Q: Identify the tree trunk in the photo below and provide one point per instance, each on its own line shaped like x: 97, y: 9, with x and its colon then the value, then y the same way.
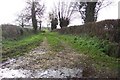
x: 22, y: 23
x: 90, y: 12
x: 40, y: 27
x: 34, y: 21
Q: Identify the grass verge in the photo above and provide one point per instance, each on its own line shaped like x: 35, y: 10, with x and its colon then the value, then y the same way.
x: 92, y: 47
x: 14, y: 48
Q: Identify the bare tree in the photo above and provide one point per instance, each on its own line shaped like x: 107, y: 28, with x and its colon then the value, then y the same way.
x: 100, y: 5
x: 89, y: 10
x: 62, y: 12
x: 53, y: 16
x: 34, y: 12
x: 21, y: 20
x: 65, y: 10
x: 53, y: 20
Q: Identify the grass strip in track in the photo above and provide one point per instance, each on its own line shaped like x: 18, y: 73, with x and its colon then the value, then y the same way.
x: 54, y: 42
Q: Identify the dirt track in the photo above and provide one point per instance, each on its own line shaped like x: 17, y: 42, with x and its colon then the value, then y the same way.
x: 67, y: 63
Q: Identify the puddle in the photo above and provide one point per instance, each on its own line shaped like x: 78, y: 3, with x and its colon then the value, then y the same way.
x: 48, y: 73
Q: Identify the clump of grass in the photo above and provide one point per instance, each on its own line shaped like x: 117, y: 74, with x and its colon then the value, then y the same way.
x: 13, y: 48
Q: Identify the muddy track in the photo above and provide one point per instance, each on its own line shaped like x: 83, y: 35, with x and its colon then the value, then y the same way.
x: 43, y: 62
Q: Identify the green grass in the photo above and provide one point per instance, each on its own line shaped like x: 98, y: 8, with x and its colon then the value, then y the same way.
x: 91, y: 46
x: 14, y: 48
x: 54, y: 42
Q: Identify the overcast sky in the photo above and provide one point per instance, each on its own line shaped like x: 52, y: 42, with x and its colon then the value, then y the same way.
x: 10, y: 8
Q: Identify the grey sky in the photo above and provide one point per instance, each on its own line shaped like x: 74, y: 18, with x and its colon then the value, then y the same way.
x: 10, y: 9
